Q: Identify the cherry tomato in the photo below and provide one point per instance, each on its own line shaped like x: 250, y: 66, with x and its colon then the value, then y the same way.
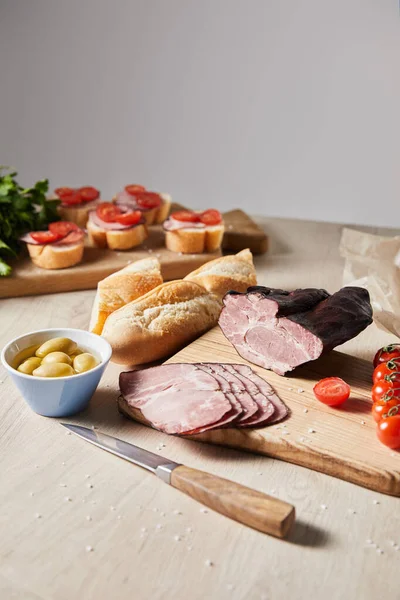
x: 133, y: 189
x: 64, y: 191
x: 72, y: 199
x: 381, y: 409
x: 148, y: 200
x: 387, y: 353
x: 62, y: 228
x: 130, y: 218
x: 383, y: 389
x: 211, y: 217
x: 45, y: 237
x: 107, y: 211
x: 389, y: 371
x: 332, y: 391
x: 187, y: 216
x: 388, y: 432
x: 88, y: 193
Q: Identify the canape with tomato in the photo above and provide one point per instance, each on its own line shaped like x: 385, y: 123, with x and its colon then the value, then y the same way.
x: 116, y: 226
x: 58, y: 247
x: 76, y: 203
x: 154, y: 206
x: 191, y: 232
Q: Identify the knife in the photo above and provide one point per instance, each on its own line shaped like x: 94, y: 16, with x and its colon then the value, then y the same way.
x: 252, y: 508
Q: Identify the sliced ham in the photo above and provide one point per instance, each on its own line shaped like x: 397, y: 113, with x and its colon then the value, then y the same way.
x: 188, y: 399
x: 172, y: 224
x: 73, y: 237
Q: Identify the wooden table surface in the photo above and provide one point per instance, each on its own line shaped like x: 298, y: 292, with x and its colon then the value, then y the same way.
x: 59, y: 495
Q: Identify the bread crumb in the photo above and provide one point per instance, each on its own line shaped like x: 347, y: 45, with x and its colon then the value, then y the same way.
x: 177, y: 538
x: 376, y: 502
x: 203, y: 510
x: 190, y: 548
x: 88, y: 518
x: 31, y: 493
x: 305, y: 410
x: 38, y: 516
x: 89, y: 548
x: 89, y: 485
x: 189, y: 529
x: 209, y: 563
x: 324, y: 506
x: 259, y: 473
x: 63, y: 485
x: 158, y: 526
x: 311, y: 430
x: 63, y: 464
x: 285, y: 432
x: 379, y: 551
x: 362, y: 422
x: 300, y: 390
x: 67, y: 499
x: 112, y: 507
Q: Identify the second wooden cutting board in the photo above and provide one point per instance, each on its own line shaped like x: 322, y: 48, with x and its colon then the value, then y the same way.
x: 339, y: 442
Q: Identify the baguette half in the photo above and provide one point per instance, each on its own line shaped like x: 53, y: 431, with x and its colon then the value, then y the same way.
x: 76, y: 214
x: 56, y: 256
x: 192, y: 240
x: 116, y: 239
x: 122, y: 287
x: 235, y: 272
x: 160, y: 322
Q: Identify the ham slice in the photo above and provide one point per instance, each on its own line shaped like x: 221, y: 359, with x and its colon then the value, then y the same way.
x: 188, y: 399
x: 73, y: 237
x: 172, y: 224
x: 95, y: 219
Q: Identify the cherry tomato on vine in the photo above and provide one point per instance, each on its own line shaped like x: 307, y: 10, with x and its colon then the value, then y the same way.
x: 382, y: 409
x: 389, y: 371
x: 383, y: 389
x: 387, y: 353
x: 388, y: 432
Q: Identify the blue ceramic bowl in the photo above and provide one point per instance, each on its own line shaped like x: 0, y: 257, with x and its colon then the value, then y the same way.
x: 58, y: 396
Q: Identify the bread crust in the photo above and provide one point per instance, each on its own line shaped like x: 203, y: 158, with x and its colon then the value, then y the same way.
x: 75, y: 214
x: 235, y: 272
x: 117, y: 239
x: 52, y: 256
x: 195, y: 241
x: 122, y: 287
x: 161, y: 322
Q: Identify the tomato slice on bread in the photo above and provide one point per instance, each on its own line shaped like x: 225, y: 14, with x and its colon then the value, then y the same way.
x: 72, y: 199
x: 61, y: 192
x: 107, y: 211
x: 332, y: 391
x: 63, y: 228
x: 134, y: 189
x: 89, y: 193
x: 186, y: 216
x: 130, y: 218
x: 148, y: 200
x: 45, y: 237
x: 211, y: 217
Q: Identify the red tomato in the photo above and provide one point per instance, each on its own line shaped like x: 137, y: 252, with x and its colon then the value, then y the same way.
x: 72, y: 199
x: 383, y: 389
x: 130, y: 218
x: 211, y: 217
x: 107, y: 211
x: 389, y: 371
x: 148, y: 200
x: 64, y: 191
x: 133, y: 189
x: 387, y: 353
x: 89, y: 193
x: 45, y: 237
x: 388, y: 432
x: 62, y: 228
x: 187, y: 216
x: 332, y: 391
x: 383, y: 408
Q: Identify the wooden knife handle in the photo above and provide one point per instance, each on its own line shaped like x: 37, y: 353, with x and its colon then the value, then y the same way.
x: 257, y: 510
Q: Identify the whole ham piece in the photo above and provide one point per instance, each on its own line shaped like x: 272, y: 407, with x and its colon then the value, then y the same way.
x: 188, y: 399
x: 280, y: 330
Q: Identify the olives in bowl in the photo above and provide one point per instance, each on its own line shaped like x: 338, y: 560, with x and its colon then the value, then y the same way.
x: 57, y: 370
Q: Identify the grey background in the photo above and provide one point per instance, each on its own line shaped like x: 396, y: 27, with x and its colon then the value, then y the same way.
x: 286, y: 108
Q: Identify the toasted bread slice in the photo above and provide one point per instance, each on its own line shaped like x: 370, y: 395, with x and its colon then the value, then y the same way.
x: 117, y: 239
x: 193, y: 240
x: 234, y: 272
x: 56, y: 256
x: 122, y: 287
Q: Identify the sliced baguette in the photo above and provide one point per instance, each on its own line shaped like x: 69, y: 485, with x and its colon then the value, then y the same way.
x: 75, y: 214
x: 160, y: 322
x: 193, y: 240
x: 234, y: 272
x: 122, y: 287
x: 116, y: 239
x: 56, y: 256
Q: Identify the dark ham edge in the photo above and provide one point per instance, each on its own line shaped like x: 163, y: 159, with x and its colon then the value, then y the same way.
x: 251, y: 378
x: 287, y: 303
x: 232, y: 384
x: 95, y: 219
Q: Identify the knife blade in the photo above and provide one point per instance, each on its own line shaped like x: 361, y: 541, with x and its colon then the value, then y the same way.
x: 247, y: 506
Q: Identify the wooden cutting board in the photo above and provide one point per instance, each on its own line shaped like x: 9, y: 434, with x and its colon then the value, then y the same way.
x: 27, y: 280
x: 339, y: 442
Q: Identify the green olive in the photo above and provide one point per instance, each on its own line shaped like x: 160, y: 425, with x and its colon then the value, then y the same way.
x: 57, y: 357
x: 24, y: 354
x: 56, y: 345
x: 29, y: 365
x: 84, y: 362
x: 53, y: 370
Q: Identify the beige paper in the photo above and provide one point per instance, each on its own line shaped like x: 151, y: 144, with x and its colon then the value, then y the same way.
x: 373, y: 262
